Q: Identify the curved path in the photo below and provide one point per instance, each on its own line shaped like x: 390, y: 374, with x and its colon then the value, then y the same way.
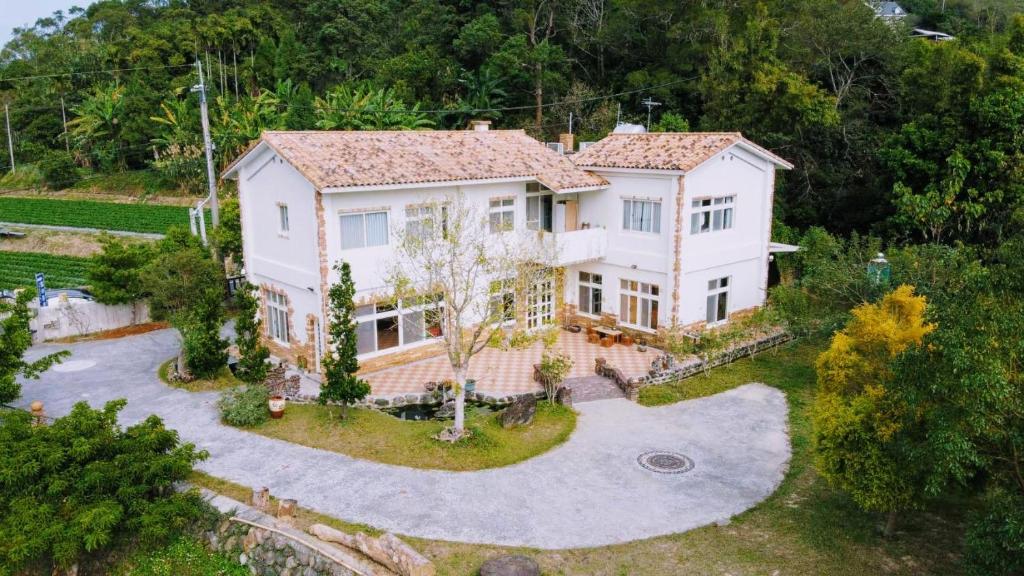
x: 588, y: 492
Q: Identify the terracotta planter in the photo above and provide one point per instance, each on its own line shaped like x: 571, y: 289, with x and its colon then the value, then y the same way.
x: 276, y: 405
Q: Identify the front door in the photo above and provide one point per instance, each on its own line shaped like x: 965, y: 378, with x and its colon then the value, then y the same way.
x: 540, y: 304
x: 571, y: 211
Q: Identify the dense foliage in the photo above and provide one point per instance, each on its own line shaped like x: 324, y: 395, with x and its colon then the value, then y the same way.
x: 58, y: 169
x: 912, y: 138
x: 82, y: 485
x: 182, y: 557
x: 245, y: 406
x: 252, y: 354
x: 15, y: 339
x: 18, y: 270
x: 340, y: 383
x: 115, y: 272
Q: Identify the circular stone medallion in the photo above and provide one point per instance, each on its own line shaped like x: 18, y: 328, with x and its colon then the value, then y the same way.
x: 73, y: 365
x: 664, y: 462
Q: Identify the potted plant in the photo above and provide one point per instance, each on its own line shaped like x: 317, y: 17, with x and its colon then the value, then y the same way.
x: 641, y: 345
x: 276, y: 405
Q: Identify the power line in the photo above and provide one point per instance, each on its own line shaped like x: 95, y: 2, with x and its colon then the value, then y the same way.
x: 88, y: 72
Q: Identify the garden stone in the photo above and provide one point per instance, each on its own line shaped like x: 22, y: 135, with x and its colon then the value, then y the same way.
x: 412, y: 398
x: 243, y: 559
x: 519, y: 413
x: 515, y: 565
x: 381, y: 401
x: 564, y: 396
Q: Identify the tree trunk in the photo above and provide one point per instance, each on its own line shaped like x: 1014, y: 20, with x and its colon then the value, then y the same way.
x: 890, y: 524
x: 538, y: 92
x: 460, y: 400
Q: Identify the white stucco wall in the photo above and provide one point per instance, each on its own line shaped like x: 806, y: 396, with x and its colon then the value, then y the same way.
x: 741, y: 252
x: 287, y: 261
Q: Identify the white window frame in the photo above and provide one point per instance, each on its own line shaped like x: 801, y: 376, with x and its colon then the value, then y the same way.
x: 647, y: 298
x: 590, y: 283
x: 718, y: 291
x: 641, y: 215
x: 277, y: 316
x: 283, y: 226
x: 365, y: 238
x: 502, y: 215
x: 399, y: 311
x: 501, y: 305
x: 712, y: 214
x: 540, y: 304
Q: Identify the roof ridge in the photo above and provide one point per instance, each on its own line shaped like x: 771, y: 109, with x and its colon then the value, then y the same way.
x: 740, y: 134
x: 505, y: 130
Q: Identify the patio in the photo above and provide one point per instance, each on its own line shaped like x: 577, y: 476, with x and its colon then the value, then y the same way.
x: 505, y: 372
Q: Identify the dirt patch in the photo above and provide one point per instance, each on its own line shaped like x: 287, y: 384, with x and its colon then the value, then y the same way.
x: 118, y: 198
x: 59, y: 242
x: 116, y: 333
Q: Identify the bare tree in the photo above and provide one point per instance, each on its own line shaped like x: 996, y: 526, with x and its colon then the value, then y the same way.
x: 474, y: 270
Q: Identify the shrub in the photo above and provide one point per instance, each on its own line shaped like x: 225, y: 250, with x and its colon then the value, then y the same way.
x: 115, y: 273
x: 994, y: 545
x: 253, y: 355
x: 245, y: 406
x: 82, y: 486
x: 59, y: 170
x: 205, y: 351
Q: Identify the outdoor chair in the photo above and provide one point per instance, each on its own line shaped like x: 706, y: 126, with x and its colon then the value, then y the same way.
x: 593, y: 338
x: 607, y: 342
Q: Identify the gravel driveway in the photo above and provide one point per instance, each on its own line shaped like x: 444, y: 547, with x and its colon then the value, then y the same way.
x: 591, y: 491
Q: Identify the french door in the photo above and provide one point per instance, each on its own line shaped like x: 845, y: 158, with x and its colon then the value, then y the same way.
x: 540, y: 304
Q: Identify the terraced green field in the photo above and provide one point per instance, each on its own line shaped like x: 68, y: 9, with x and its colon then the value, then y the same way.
x: 89, y: 214
x: 18, y: 270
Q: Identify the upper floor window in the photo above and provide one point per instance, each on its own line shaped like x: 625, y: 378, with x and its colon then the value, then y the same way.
x: 282, y: 218
x: 638, y: 304
x: 591, y: 289
x: 641, y: 216
x: 712, y: 214
x: 502, y: 214
x: 364, y: 230
x: 277, y: 316
x: 718, y: 300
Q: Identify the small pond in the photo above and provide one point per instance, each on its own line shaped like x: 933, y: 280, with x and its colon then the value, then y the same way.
x: 434, y: 411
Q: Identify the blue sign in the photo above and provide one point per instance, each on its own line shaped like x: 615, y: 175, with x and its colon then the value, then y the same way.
x: 41, y: 287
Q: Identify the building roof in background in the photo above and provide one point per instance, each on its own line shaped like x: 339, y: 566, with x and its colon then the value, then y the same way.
x: 665, y: 150
x: 889, y: 10
x: 348, y: 159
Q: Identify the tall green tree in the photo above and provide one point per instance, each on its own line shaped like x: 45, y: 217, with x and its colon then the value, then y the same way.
x: 253, y: 355
x: 340, y: 383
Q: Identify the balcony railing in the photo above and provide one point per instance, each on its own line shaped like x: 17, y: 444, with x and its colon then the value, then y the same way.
x: 577, y: 246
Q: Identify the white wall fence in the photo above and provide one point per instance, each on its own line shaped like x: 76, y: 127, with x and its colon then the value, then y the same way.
x: 65, y: 318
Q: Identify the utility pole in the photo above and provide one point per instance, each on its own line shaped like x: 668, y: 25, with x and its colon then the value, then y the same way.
x: 618, y: 114
x: 570, y: 122
x: 210, y: 176
x: 64, y: 117
x: 650, y: 104
x: 10, y: 141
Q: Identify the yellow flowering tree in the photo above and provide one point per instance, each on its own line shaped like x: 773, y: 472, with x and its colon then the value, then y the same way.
x: 861, y: 443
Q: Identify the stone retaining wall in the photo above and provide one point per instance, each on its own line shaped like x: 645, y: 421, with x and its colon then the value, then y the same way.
x: 270, y: 547
x: 427, y: 398
x: 667, y: 369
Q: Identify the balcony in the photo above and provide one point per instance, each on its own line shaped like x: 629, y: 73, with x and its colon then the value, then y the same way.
x: 576, y: 246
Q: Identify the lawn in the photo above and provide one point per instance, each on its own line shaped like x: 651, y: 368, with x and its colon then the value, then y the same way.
x: 18, y: 270
x: 805, y: 527
x: 151, y: 218
x: 182, y: 557
x: 380, y: 437
x: 222, y: 381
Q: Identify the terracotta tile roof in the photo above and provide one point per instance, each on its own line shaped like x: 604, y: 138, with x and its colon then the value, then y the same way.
x: 340, y: 159
x: 663, y: 150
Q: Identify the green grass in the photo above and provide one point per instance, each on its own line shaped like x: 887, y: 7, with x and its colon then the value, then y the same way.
x: 804, y: 528
x: 373, y: 435
x: 150, y: 218
x: 182, y: 557
x: 18, y: 270
x: 222, y: 381
x: 135, y: 182
x: 27, y: 177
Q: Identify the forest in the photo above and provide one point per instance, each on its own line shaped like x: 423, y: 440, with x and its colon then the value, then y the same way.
x: 897, y: 136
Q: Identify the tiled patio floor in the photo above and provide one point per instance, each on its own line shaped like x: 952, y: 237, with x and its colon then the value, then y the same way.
x: 503, y: 372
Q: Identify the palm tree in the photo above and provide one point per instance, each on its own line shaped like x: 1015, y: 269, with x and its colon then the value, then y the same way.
x: 483, y: 94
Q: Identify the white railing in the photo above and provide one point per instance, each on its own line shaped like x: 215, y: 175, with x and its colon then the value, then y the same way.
x: 577, y: 246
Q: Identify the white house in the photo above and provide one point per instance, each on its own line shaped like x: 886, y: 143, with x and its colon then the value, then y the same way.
x: 652, y: 230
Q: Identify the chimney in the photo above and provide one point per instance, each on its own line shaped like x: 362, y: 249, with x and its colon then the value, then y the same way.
x: 567, y: 143
x: 480, y: 125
